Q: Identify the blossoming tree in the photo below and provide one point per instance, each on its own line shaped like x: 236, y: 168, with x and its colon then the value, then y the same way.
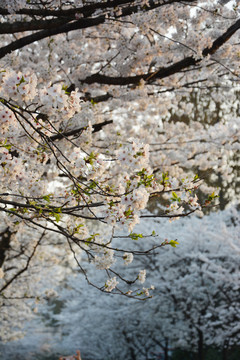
x: 89, y: 95
x: 195, y: 304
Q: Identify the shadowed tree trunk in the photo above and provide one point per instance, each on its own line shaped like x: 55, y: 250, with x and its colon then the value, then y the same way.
x: 224, y: 350
x: 200, y: 345
x: 5, y: 238
x: 166, y: 350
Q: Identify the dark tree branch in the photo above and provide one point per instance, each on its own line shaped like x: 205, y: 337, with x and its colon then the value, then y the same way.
x: 20, y: 26
x: 222, y: 39
x: 25, y: 267
x: 96, y: 128
x: 97, y: 99
x: 79, y: 24
x: 165, y: 71
x: 76, y: 25
x: 5, y: 238
x: 88, y: 10
x: 149, y: 77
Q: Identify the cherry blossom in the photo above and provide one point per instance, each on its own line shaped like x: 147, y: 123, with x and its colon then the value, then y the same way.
x: 105, y: 107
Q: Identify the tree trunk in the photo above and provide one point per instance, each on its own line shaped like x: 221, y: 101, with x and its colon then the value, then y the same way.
x: 224, y: 351
x: 200, y: 345
x: 5, y: 238
x: 166, y: 350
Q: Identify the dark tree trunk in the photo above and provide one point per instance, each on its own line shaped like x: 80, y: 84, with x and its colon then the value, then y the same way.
x: 224, y: 354
x: 166, y: 350
x: 224, y: 351
x: 200, y: 345
x: 132, y: 352
x: 5, y: 238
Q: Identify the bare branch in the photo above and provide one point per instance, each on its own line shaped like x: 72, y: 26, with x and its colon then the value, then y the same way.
x: 25, y: 267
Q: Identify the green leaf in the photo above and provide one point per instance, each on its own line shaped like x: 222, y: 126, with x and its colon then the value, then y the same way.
x: 92, y: 185
x: 90, y: 159
x: 173, y: 243
x: 47, y: 197
x: 88, y: 240
x: 135, y: 236
x: 8, y: 147
x: 165, y: 178
x: 212, y: 196
x: 128, y: 212
x: 76, y: 229
x: 57, y: 217
x: 111, y: 203
x: 22, y: 80
x: 175, y: 197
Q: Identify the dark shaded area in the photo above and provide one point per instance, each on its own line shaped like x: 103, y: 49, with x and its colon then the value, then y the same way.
x: 5, y: 238
x: 209, y: 353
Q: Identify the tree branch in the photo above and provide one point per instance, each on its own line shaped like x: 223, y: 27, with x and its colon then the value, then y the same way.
x: 20, y: 26
x: 130, y: 80
x: 5, y: 238
x: 26, y: 266
x: 164, y: 71
x: 88, y: 10
x: 222, y: 39
x: 76, y: 25
x: 96, y: 128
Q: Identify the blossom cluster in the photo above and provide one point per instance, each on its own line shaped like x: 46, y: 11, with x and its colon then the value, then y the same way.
x: 134, y: 155
x: 111, y: 284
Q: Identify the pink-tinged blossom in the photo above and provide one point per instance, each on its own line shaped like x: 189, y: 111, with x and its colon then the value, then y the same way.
x: 140, y: 198
x: 134, y: 155
x: 19, y: 86
x: 193, y: 202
